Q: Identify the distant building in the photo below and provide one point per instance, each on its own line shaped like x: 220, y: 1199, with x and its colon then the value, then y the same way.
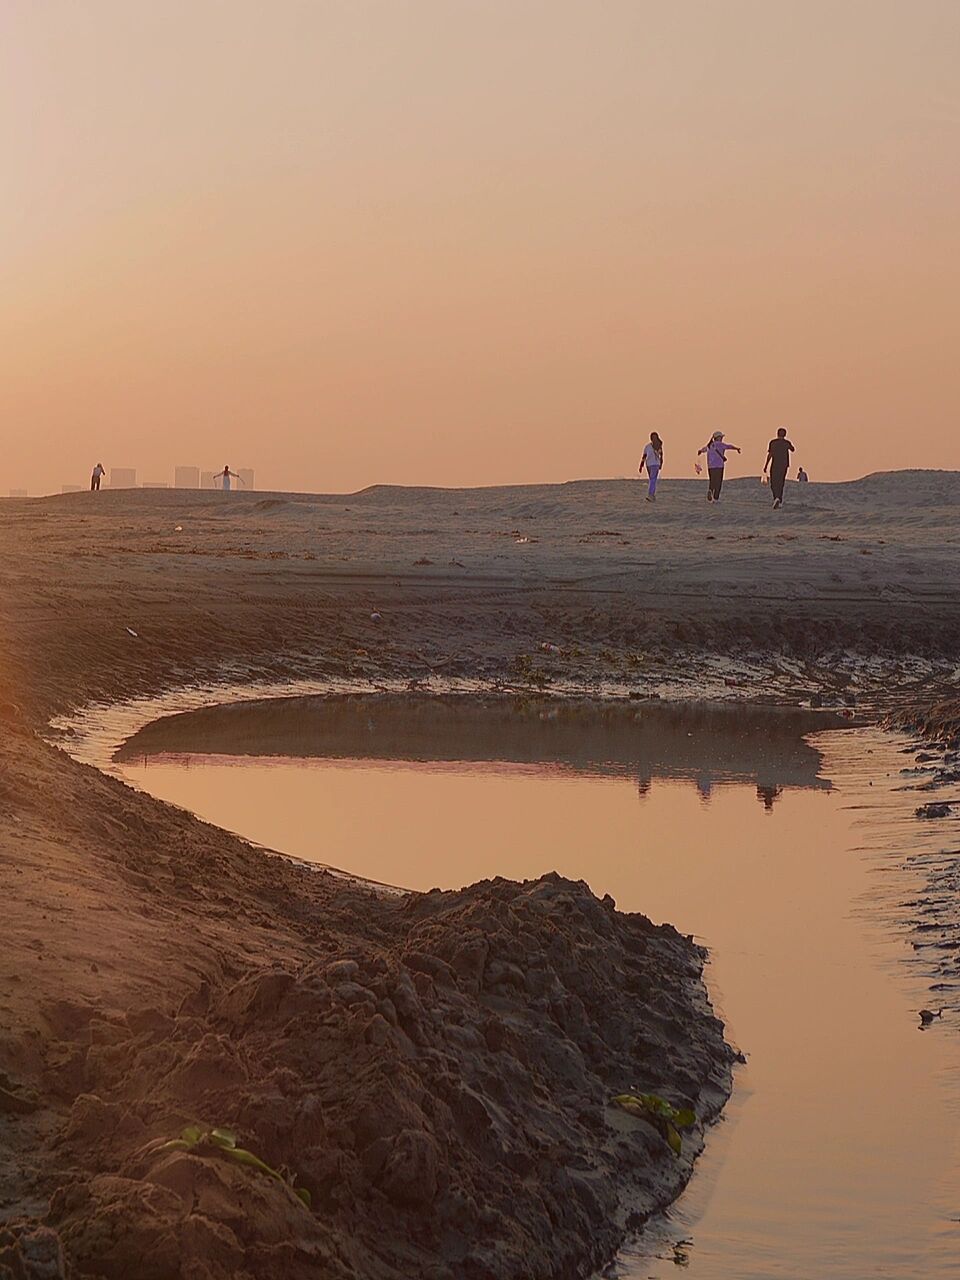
x: 206, y: 479
x: 186, y: 478
x: 123, y: 477
x: 155, y: 484
x: 18, y: 493
x: 71, y: 488
x: 246, y: 477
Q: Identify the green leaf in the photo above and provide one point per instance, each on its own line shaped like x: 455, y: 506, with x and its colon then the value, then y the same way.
x: 685, y: 1118
x: 191, y: 1135
x: 673, y: 1138
x: 305, y: 1196
x: 657, y: 1106
x: 223, y: 1138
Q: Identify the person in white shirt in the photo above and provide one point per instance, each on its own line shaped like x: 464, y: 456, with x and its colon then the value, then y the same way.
x: 98, y: 471
x: 228, y: 477
x: 653, y: 460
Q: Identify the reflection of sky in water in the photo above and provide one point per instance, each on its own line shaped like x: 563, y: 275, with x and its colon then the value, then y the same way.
x: 837, y: 1157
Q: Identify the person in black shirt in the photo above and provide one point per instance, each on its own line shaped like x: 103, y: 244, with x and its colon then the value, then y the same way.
x: 778, y: 460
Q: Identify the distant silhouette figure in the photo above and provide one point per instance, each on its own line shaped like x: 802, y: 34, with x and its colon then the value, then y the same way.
x: 653, y: 460
x: 98, y: 472
x: 802, y: 476
x: 227, y: 476
x: 778, y: 460
x: 716, y: 451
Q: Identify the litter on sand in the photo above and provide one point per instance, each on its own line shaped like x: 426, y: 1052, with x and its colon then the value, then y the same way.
x: 131, y: 632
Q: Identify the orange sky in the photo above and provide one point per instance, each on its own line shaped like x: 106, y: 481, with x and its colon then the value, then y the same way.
x: 476, y: 241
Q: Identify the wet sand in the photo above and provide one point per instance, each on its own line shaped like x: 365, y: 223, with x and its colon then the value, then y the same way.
x: 157, y: 971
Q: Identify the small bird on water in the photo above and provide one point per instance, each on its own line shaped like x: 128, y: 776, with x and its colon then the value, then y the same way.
x: 927, y: 1016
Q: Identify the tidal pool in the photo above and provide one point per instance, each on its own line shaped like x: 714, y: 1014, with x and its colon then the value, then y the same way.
x: 779, y: 844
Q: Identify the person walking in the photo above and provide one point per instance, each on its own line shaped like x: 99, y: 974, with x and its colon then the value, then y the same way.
x: 653, y: 460
x: 227, y: 476
x: 98, y: 473
x: 778, y: 460
x: 716, y: 450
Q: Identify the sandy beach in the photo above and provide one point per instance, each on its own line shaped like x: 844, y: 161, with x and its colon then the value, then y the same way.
x: 435, y: 1070
x: 583, y: 583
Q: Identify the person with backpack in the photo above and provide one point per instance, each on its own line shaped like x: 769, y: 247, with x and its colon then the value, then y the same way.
x: 653, y: 460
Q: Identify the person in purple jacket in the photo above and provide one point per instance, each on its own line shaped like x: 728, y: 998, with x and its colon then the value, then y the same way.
x: 716, y: 451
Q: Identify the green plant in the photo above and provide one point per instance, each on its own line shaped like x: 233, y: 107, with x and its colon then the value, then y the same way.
x: 666, y: 1119
x: 223, y: 1142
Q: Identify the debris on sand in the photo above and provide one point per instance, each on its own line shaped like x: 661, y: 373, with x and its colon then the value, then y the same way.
x: 941, y: 809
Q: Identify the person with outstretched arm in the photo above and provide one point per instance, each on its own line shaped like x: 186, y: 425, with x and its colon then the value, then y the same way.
x: 98, y: 474
x: 227, y: 476
x: 778, y: 460
x: 716, y: 450
x: 653, y: 460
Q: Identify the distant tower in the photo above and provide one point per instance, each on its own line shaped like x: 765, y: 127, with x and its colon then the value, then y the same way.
x: 186, y: 478
x: 155, y: 484
x: 18, y: 493
x: 206, y: 479
x: 71, y: 488
x: 123, y: 477
x: 246, y: 477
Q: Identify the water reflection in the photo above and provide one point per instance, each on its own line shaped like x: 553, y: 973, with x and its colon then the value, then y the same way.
x: 708, y: 743
x: 837, y: 1156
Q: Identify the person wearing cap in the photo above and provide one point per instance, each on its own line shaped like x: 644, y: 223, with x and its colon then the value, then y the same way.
x: 716, y: 450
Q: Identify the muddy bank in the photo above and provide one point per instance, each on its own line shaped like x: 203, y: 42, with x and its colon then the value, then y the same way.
x: 936, y: 720
x: 932, y: 774
x: 434, y: 1070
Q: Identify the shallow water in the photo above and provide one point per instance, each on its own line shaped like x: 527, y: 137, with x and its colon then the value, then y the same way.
x: 838, y: 1154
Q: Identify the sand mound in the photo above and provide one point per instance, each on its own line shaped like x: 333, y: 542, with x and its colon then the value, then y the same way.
x: 437, y: 1074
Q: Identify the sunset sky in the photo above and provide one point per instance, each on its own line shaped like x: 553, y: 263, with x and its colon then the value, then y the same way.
x: 463, y: 242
